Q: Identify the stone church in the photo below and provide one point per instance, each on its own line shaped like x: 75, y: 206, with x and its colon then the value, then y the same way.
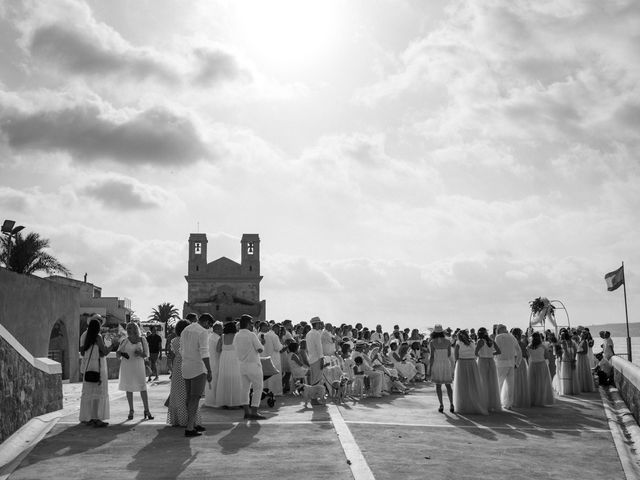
x: 224, y: 288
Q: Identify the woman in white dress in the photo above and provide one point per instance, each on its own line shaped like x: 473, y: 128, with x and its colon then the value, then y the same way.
x: 567, y: 379
x: 539, y: 377
x: 441, y: 370
x: 94, y: 402
x: 214, y: 362
x: 229, y: 392
x: 468, y: 393
x: 132, y: 352
x: 522, y: 395
x: 485, y: 350
x: 583, y: 364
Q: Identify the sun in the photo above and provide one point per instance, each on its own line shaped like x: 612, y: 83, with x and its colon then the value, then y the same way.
x: 287, y: 34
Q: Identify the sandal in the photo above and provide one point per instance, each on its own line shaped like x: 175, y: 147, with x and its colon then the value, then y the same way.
x: 441, y: 408
x: 99, y: 423
x: 130, y: 417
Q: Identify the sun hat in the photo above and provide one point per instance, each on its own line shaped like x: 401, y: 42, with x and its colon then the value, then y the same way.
x: 315, y: 320
x: 438, y: 328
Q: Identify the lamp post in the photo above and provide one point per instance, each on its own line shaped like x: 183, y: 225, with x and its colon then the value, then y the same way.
x: 11, y: 231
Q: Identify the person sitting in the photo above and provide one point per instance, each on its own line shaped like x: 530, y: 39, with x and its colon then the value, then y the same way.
x: 604, y: 371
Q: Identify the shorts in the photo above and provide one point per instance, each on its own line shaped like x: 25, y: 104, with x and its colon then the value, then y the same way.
x: 195, y: 386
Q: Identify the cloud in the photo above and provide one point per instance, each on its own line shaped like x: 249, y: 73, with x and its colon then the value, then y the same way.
x: 123, y: 265
x: 515, y: 72
x: 88, y: 131
x: 123, y: 193
x: 96, y: 52
x: 14, y: 200
x: 215, y: 65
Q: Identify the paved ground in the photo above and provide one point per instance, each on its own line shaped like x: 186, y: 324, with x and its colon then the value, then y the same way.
x: 393, y: 437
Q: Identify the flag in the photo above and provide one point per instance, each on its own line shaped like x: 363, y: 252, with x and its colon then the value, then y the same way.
x: 614, y: 279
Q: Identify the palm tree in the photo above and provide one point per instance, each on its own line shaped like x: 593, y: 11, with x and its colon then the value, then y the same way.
x: 164, y: 312
x: 27, y: 255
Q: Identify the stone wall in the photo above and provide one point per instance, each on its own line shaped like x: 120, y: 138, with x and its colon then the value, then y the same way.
x: 26, y: 390
x: 30, y: 306
x: 627, y: 378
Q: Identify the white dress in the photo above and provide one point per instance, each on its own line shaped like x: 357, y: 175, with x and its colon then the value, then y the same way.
x: 94, y: 402
x: 229, y: 392
x: 132, y: 373
x: 469, y: 396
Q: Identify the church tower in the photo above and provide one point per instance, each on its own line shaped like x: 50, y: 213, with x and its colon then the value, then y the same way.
x: 250, y: 257
x: 197, y: 254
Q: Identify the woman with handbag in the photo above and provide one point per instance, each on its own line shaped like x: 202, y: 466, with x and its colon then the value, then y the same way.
x: 94, y: 402
x: 132, y: 352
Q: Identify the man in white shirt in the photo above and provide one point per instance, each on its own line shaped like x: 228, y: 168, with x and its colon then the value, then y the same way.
x: 314, y: 351
x: 196, y: 370
x: 510, y: 356
x: 248, y: 348
x: 377, y: 335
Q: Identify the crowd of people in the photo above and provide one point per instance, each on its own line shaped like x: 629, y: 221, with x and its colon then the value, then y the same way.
x: 482, y: 371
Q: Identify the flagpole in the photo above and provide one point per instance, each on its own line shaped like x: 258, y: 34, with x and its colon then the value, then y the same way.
x: 626, y: 312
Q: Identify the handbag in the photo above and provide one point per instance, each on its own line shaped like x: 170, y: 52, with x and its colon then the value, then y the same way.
x: 91, y: 376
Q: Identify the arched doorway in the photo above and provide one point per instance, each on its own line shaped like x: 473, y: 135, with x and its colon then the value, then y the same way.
x: 59, y: 347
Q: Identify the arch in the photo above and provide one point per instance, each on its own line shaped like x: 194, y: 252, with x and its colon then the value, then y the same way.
x: 59, y: 347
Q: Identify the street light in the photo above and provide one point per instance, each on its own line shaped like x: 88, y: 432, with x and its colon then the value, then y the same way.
x: 11, y: 231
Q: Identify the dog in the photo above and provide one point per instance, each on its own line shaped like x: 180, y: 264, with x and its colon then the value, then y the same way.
x: 335, y: 381
x: 339, y: 389
x: 310, y: 392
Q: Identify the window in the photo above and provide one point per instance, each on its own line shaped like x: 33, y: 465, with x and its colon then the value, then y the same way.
x: 197, y: 248
x: 250, y: 248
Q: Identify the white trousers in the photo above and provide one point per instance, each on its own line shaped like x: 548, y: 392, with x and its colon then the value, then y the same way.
x: 506, y: 384
x: 251, y: 375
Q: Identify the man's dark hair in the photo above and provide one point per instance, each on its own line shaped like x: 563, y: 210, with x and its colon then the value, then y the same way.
x: 192, y: 317
x: 206, y: 317
x: 245, y: 320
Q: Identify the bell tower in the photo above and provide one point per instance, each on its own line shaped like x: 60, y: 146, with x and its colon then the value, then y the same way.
x: 250, y: 257
x: 197, y: 254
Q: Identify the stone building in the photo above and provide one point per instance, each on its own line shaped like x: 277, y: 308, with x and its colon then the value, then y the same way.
x: 224, y: 288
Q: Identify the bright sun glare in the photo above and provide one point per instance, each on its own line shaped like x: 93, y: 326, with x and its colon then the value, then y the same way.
x: 287, y: 33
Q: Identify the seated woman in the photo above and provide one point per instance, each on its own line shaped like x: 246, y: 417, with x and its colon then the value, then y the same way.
x: 390, y: 381
x: 298, y: 369
x: 398, y: 357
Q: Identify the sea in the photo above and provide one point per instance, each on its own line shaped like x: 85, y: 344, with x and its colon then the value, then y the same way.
x: 620, y: 348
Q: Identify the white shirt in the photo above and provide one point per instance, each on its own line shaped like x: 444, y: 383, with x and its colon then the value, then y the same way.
x: 314, y: 345
x: 511, y: 354
x: 194, y: 346
x: 272, y: 345
x: 247, y: 347
x: 376, y: 337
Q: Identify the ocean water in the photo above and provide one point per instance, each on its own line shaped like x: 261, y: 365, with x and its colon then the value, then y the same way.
x: 620, y: 347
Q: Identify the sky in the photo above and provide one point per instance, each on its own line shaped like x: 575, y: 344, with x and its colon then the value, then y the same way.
x: 404, y: 162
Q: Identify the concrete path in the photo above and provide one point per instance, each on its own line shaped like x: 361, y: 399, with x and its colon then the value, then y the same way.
x: 392, y: 437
